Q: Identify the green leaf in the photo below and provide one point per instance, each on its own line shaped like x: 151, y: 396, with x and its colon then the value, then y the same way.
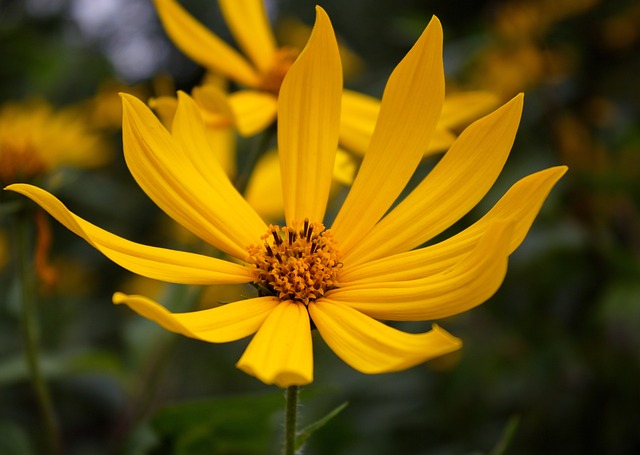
x: 242, y: 424
x: 14, y: 440
x: 306, y: 432
x: 507, y: 435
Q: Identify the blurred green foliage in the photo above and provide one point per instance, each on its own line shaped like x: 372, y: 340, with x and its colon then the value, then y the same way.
x: 557, y: 348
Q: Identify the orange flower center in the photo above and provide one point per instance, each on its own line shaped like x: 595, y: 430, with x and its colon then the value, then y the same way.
x: 298, y: 263
x: 19, y: 162
x: 282, y: 61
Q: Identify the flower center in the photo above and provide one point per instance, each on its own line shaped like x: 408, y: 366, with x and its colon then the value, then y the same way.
x: 282, y: 61
x: 19, y: 162
x: 297, y: 263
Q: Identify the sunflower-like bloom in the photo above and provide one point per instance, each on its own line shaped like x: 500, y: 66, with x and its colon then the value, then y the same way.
x: 35, y: 139
x: 369, y: 265
x: 262, y: 71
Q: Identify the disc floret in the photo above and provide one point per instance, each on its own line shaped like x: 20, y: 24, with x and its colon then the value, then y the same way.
x: 298, y: 262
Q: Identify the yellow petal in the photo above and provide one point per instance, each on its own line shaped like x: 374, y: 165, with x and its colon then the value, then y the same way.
x: 249, y: 24
x: 441, y: 140
x: 370, y: 346
x: 214, y: 104
x: 165, y: 107
x: 357, y: 120
x: 344, y: 168
x: 183, y: 178
x: 467, y: 284
x: 360, y: 112
x: 458, y: 182
x: 519, y: 206
x: 202, y: 45
x: 463, y: 107
x: 281, y: 353
x: 264, y: 191
x: 408, y: 116
x: 253, y: 111
x: 308, y: 119
x: 157, y: 263
x: 218, y: 118
x: 222, y: 324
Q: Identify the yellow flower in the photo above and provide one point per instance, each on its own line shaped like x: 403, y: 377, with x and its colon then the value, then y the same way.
x: 254, y: 107
x: 369, y: 266
x: 35, y: 139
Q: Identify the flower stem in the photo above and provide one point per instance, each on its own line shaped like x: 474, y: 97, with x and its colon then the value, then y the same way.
x: 250, y: 160
x: 291, y: 415
x: 26, y: 278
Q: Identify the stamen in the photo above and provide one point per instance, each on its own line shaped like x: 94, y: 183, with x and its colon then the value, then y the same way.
x: 301, y: 269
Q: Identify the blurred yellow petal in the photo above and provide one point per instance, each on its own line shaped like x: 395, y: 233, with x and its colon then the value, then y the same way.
x: 165, y: 107
x: 157, y: 263
x: 292, y: 32
x: 308, y: 120
x: 409, y: 113
x: 463, y: 107
x: 467, y: 284
x: 214, y: 104
x: 281, y: 352
x: 519, y: 206
x: 249, y: 24
x: 344, y: 168
x: 372, y: 347
x: 357, y: 120
x: 179, y: 174
x: 441, y: 140
x: 223, y: 145
x: 457, y: 183
x: 222, y: 324
x: 264, y: 191
x: 253, y: 111
x: 202, y: 45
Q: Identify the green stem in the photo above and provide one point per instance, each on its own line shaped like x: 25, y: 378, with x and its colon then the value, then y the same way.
x: 26, y: 279
x: 291, y: 415
x: 250, y: 160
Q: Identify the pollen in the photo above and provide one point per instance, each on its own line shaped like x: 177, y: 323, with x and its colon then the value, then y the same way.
x: 299, y: 262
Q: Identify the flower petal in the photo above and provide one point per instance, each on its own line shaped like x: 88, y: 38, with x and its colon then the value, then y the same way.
x: 281, y: 353
x: 249, y: 24
x: 182, y: 177
x: 408, y: 116
x: 202, y: 45
x: 372, y: 347
x: 157, y: 263
x: 459, y: 288
x: 253, y: 111
x: 308, y: 120
x: 264, y: 191
x: 218, y: 118
x: 357, y: 120
x: 360, y: 112
x: 460, y: 108
x: 222, y: 324
x: 461, y: 178
x: 519, y: 205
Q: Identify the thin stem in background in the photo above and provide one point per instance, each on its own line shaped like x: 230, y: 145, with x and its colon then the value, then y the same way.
x: 290, y: 420
x: 27, y: 282
x: 251, y: 158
